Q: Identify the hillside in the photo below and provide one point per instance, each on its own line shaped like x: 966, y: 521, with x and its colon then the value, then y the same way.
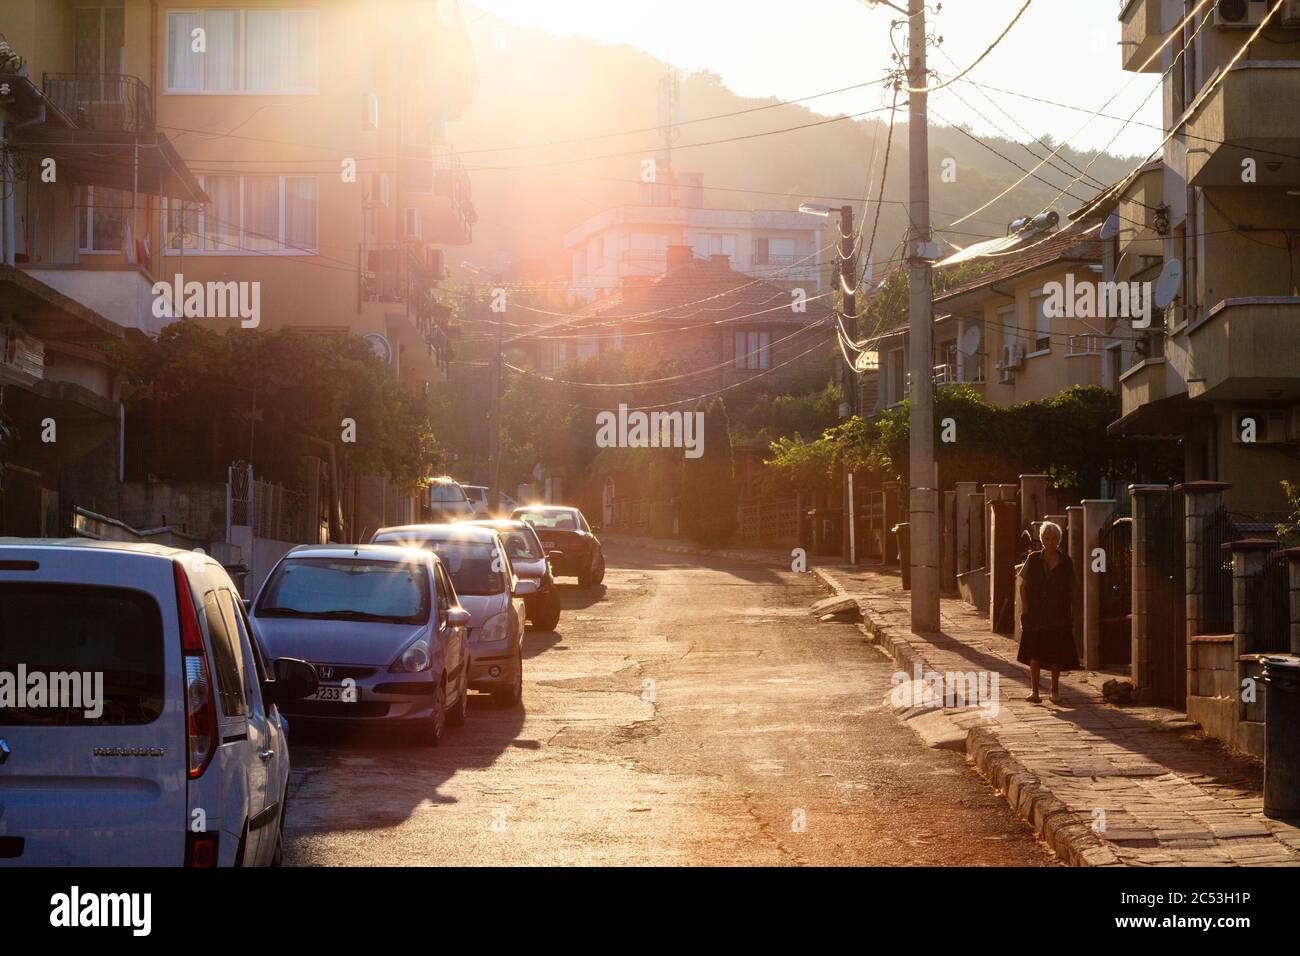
x: 541, y: 88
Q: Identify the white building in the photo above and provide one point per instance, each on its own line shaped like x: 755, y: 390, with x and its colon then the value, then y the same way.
x: 783, y: 247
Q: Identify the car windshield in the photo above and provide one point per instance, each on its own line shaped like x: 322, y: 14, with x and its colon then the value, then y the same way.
x: 559, y: 520
x: 446, y: 491
x: 471, y: 564
x: 521, y: 545
x: 349, y: 589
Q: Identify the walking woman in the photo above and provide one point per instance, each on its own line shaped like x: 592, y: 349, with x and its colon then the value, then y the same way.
x: 1047, y: 632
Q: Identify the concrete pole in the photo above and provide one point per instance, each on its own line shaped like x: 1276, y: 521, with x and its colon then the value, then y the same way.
x: 1097, y: 513
x: 923, y: 495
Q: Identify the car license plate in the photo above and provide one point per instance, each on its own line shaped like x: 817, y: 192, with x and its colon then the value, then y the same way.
x: 337, y: 693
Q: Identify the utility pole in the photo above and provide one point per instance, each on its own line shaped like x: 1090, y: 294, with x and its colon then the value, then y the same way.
x: 847, y: 273
x: 498, y: 381
x: 923, y: 496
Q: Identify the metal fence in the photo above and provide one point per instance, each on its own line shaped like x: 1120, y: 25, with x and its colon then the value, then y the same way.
x: 769, y: 521
x: 272, y: 511
x: 1216, y: 572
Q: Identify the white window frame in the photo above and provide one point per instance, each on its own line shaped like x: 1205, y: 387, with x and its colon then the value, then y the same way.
x: 202, y: 236
x: 756, y: 354
x: 1038, y: 309
x: 200, y: 12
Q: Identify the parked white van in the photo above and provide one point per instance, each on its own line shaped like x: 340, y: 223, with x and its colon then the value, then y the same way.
x: 139, y: 723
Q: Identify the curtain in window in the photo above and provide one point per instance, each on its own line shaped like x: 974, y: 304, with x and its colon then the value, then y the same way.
x: 263, y: 51
x: 107, y: 216
x: 301, y: 27
x: 221, y: 62
x: 182, y: 225
x: 300, y: 212
x: 262, y: 213
x: 183, y: 65
x: 221, y: 217
x: 740, y: 350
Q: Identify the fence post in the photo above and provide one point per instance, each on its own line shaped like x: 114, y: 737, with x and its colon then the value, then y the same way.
x: 962, y: 521
x: 1078, y: 555
x: 1249, y: 556
x: 975, y: 519
x: 1033, y: 499
x: 948, y: 555
x: 1004, y: 525
x: 1201, y: 500
x: 1143, y: 498
x: 1097, y: 512
x: 1293, y: 568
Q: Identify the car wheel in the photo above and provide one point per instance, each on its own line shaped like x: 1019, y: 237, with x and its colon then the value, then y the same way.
x: 460, y: 709
x: 512, y: 695
x: 599, y: 574
x: 547, y: 614
x: 436, y: 726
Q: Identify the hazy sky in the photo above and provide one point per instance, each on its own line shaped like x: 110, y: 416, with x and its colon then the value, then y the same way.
x: 1061, y: 50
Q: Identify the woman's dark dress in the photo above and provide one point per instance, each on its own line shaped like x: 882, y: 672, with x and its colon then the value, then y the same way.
x: 1046, y: 629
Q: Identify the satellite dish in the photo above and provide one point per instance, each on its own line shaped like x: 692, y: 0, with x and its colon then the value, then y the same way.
x: 1110, y: 228
x: 867, y: 362
x: 1170, y: 282
x: 970, y: 340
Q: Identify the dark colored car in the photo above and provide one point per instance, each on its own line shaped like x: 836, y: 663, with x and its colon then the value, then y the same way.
x: 565, y: 530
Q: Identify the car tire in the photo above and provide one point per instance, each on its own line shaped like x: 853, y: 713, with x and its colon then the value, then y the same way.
x: 547, y: 611
x: 460, y: 710
x: 511, y: 696
x: 435, y: 727
x: 599, y: 575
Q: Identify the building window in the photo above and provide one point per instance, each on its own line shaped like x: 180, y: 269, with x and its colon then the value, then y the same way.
x: 715, y: 244
x: 102, y: 219
x: 244, y: 51
x: 1042, y: 324
x: 753, y: 350
x: 264, y: 214
x: 98, y: 54
x: 773, y: 252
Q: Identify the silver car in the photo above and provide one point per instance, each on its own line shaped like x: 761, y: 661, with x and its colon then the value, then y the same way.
x: 383, y: 627
x: 531, y: 563
x: 488, y: 588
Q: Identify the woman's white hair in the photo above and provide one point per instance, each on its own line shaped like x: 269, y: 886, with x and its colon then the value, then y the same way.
x: 1050, y: 528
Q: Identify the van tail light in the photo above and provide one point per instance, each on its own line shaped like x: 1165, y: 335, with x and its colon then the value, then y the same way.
x: 201, y: 850
x: 200, y: 708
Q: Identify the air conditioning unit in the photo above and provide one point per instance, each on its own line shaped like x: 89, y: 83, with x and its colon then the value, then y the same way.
x: 1267, y: 426
x: 411, y: 223
x: 1005, y: 375
x: 1239, y: 14
x: 380, y: 194
x: 1013, y: 356
x: 370, y: 111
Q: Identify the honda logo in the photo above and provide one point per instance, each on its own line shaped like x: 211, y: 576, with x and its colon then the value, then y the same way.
x: 327, y: 672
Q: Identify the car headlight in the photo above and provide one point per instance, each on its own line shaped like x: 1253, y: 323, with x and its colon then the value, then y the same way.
x: 414, y: 659
x: 496, y: 629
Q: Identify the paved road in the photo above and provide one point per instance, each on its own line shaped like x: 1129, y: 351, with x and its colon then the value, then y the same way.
x: 688, y: 712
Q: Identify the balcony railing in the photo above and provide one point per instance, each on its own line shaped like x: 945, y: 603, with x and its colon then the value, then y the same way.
x: 391, y: 273
x: 103, y: 101
x: 768, y: 259
x: 971, y: 372
x: 1088, y: 343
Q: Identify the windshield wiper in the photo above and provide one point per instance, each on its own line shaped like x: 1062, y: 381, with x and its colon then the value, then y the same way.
x: 365, y: 616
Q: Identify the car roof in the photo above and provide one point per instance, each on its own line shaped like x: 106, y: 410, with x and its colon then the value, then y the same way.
x: 461, y: 529
x: 145, y: 548
x: 497, y: 524
x: 377, y: 552
x: 547, y: 508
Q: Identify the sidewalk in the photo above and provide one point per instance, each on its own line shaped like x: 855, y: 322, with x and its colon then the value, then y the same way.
x: 1102, y: 785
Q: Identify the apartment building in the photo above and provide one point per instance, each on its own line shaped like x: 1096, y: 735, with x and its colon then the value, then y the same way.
x: 1217, y: 219
x: 298, y: 149
x: 782, y: 247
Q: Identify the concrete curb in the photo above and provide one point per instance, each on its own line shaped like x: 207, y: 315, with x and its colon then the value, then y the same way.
x: 1073, y: 842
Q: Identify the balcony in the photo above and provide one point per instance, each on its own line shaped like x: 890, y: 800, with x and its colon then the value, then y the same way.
x: 1246, y: 349
x: 446, y: 201
x: 101, y: 101
x: 1144, y: 383
x: 1253, y: 113
x: 393, y: 276
x: 1141, y: 33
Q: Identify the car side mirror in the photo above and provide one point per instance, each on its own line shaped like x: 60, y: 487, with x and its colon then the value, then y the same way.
x: 294, y: 680
x: 525, y: 588
x: 457, y: 617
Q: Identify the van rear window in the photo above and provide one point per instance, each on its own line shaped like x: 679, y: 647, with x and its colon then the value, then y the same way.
x: 73, y: 654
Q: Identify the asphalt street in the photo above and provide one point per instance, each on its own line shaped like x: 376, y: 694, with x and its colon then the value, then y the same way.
x: 688, y: 711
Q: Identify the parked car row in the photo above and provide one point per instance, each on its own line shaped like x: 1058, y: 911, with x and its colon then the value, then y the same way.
x: 180, y: 755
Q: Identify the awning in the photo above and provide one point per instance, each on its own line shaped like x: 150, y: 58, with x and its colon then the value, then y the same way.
x: 52, y: 316
x: 118, y: 159
x: 1163, y: 418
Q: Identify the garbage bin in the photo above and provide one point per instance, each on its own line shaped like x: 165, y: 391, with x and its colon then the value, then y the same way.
x: 904, y: 533
x: 1281, y: 675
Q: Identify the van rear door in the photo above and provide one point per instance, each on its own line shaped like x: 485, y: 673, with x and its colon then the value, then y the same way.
x: 94, y: 771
